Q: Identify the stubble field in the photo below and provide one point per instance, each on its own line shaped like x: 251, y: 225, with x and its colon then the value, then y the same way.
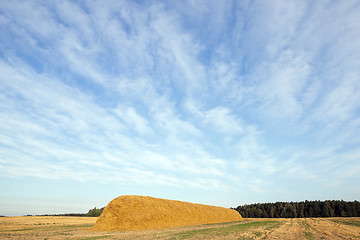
x: 78, y: 228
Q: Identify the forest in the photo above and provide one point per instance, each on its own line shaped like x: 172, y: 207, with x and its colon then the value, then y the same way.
x: 313, y: 209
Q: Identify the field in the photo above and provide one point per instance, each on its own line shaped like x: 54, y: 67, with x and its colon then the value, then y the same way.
x: 78, y: 228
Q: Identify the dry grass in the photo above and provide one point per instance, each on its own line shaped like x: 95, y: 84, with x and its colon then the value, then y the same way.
x: 43, y: 227
x: 131, y: 212
x: 78, y: 228
x: 270, y: 228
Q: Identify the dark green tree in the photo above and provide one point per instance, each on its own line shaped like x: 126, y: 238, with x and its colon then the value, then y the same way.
x: 95, y: 212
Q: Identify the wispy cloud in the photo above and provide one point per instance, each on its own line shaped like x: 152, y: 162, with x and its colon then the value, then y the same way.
x: 200, y: 95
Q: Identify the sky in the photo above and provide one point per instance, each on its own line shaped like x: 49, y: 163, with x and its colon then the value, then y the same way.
x: 216, y: 102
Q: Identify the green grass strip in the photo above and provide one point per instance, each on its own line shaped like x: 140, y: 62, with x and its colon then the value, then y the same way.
x: 95, y: 237
x: 225, y: 230
x: 50, y: 227
x: 309, y: 235
x: 348, y: 222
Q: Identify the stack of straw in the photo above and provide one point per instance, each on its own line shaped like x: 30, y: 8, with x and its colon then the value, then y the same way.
x: 129, y: 212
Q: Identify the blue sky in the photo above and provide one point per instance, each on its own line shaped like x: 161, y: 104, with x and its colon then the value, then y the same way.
x: 216, y: 102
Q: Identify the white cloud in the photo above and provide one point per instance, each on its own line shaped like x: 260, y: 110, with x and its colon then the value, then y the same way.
x: 257, y: 185
x: 67, y: 133
x: 252, y: 156
x: 182, y: 50
x: 340, y: 104
x: 281, y: 93
x: 221, y: 120
x: 133, y: 119
x: 136, y: 93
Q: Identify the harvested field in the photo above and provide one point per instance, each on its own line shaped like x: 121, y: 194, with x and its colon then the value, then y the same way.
x: 43, y: 227
x: 252, y: 228
x: 130, y: 212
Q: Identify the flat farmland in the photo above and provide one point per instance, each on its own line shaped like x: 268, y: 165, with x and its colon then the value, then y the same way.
x: 251, y: 228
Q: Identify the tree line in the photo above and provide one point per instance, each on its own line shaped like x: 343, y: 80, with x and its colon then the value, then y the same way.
x: 328, y: 208
x: 95, y: 212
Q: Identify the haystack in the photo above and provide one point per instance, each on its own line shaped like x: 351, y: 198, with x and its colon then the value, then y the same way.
x: 131, y: 212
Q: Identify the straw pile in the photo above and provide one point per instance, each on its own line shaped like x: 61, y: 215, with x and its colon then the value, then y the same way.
x: 130, y: 212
